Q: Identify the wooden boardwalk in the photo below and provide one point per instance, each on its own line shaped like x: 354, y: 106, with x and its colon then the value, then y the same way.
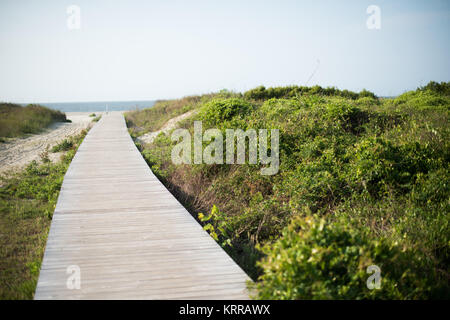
x: 130, y: 238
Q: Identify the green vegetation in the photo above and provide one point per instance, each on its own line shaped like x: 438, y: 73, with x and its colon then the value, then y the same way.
x: 92, y: 115
x: 27, y: 201
x: 64, y: 145
x: 152, y: 119
x: 16, y: 120
x: 97, y: 119
x: 261, y: 93
x: 362, y: 181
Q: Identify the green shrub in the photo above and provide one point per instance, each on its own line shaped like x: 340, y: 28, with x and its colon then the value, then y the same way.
x: 263, y: 93
x: 367, y: 101
x: 257, y: 93
x: 320, y: 259
x: 280, y: 107
x: 341, y: 111
x: 375, y: 170
x: 442, y: 88
x: 423, y: 98
x: 65, y: 145
x: 366, y: 94
x: 348, y: 116
x: 377, y: 163
x: 433, y: 189
x: 219, y: 110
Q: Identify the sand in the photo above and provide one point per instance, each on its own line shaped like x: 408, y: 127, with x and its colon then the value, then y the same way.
x: 169, y: 125
x: 16, y: 153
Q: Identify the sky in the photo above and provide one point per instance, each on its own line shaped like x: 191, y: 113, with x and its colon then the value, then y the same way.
x: 145, y: 50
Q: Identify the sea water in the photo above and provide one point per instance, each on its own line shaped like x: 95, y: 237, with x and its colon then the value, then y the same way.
x: 98, y: 106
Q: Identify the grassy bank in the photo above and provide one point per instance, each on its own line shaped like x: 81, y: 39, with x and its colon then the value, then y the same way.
x: 152, y: 119
x: 16, y: 120
x: 363, y: 181
x: 27, y: 202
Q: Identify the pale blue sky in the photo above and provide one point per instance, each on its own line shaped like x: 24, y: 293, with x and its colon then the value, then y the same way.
x: 137, y: 50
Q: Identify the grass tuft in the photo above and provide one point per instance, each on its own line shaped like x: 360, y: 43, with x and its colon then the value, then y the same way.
x: 16, y: 121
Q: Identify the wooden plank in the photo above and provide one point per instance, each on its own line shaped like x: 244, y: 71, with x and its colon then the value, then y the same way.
x: 128, y: 235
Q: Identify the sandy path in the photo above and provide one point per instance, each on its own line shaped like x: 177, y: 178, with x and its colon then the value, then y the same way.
x: 18, y: 152
x: 169, y: 125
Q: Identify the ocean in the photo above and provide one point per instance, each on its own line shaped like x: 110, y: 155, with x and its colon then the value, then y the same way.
x: 99, y: 105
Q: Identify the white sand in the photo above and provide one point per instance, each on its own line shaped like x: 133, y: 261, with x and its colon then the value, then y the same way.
x: 169, y: 125
x: 17, y: 153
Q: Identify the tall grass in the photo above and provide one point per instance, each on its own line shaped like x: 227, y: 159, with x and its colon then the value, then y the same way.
x: 152, y: 119
x: 16, y: 120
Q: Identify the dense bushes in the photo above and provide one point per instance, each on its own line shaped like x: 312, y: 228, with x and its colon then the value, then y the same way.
x: 261, y: 93
x: 377, y: 163
x: 219, y: 110
x: 320, y: 259
x: 442, y: 88
x: 16, y: 120
x: 362, y: 180
x: 432, y: 95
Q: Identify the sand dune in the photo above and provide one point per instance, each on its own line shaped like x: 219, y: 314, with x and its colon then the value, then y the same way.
x: 169, y: 125
x: 18, y: 152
